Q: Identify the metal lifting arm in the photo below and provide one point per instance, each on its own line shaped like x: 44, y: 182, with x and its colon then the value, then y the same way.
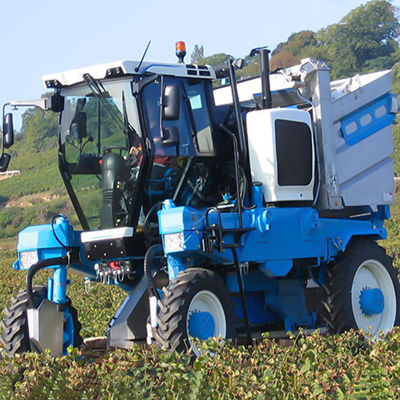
x: 238, y: 115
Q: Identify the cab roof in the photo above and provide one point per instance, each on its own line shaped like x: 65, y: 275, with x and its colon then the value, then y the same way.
x: 121, y: 68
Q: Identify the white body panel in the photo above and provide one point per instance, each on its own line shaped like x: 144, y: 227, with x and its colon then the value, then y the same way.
x: 75, y: 76
x: 106, y: 234
x: 354, y: 174
x: 263, y: 154
x: 248, y: 89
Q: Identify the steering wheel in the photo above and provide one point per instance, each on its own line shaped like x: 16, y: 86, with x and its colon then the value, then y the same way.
x: 110, y: 148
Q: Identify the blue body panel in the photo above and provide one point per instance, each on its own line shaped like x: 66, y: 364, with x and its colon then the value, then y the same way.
x: 368, y: 120
x: 273, y: 240
x: 279, y: 236
x: 269, y: 245
x: 42, y: 239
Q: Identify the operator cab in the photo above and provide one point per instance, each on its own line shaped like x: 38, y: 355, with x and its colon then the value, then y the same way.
x: 131, y: 138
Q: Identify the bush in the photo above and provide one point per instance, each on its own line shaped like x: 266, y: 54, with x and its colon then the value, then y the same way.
x: 315, y: 367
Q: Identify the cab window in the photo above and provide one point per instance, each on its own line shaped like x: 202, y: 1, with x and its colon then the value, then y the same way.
x: 200, y: 112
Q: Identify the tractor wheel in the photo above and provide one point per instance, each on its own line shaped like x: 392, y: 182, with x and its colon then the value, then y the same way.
x: 361, y: 291
x: 15, y: 336
x: 197, y: 304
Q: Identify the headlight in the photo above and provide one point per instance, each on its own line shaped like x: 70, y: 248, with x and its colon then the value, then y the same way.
x: 173, y: 242
x: 28, y: 258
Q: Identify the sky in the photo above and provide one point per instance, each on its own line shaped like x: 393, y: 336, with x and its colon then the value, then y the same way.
x: 48, y: 36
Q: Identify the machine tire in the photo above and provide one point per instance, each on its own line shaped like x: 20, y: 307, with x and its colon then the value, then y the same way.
x: 363, y: 265
x: 183, y: 297
x: 15, y: 335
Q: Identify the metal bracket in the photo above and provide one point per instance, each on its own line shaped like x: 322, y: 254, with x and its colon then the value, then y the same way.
x: 46, y: 327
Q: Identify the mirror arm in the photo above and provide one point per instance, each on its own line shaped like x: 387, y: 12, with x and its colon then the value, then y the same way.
x: 44, y: 104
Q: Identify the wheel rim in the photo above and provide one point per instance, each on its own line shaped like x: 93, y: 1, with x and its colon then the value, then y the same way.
x: 372, y: 274
x: 206, y: 317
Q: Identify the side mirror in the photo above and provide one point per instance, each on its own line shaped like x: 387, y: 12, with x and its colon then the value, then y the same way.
x: 57, y: 102
x: 79, y: 124
x: 170, y: 136
x: 4, y: 161
x: 8, y: 130
x: 171, y: 102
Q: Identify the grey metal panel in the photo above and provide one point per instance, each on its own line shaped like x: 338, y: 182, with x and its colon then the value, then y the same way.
x: 129, y: 324
x: 46, y: 327
x: 354, y: 160
x: 360, y: 174
x: 379, y: 83
x: 375, y: 185
x: 321, y: 97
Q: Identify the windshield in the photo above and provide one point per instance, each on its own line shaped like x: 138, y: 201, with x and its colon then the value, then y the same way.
x: 111, y: 180
x: 91, y: 126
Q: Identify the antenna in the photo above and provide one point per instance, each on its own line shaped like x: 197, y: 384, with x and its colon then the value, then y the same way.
x: 144, y: 55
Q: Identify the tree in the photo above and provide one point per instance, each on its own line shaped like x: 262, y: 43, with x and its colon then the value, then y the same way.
x: 197, y: 55
x: 283, y: 59
x: 216, y: 59
x: 38, y: 132
x: 251, y: 68
x: 366, y: 37
x: 298, y: 44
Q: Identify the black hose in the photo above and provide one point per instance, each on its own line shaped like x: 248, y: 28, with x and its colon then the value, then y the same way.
x: 54, y: 231
x: 242, y: 296
x: 36, y: 268
x: 147, y: 222
x: 148, y: 260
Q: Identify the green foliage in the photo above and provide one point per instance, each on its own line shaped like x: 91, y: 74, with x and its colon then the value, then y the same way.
x: 364, y: 40
x: 299, y: 45
x: 250, y: 69
x: 366, y: 36
x: 38, y: 132
x: 314, y: 367
x: 34, y: 196
x: 39, y: 173
x: 197, y: 55
x: 215, y: 59
x: 392, y: 244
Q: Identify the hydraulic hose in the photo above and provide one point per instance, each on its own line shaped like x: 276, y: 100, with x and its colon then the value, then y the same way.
x: 72, y: 256
x: 148, y: 261
x: 36, y: 268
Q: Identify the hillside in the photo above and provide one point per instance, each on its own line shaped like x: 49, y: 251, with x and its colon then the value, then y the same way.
x: 365, y: 40
x: 34, y: 196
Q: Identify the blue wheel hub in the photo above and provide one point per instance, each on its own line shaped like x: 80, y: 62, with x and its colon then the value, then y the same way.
x: 201, y: 325
x: 372, y: 301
